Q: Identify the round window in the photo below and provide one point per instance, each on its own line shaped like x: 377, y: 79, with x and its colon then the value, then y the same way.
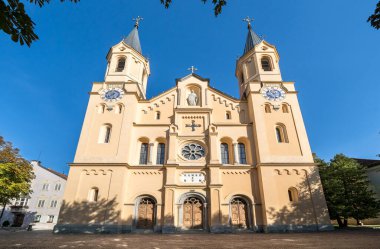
x: 193, y: 151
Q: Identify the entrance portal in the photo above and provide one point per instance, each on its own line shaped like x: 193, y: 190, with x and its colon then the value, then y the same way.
x: 18, y: 219
x: 145, y: 218
x: 193, y: 213
x: 239, y: 213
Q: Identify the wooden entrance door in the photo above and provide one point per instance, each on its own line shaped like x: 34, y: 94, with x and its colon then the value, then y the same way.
x: 238, y: 213
x: 145, y: 218
x: 193, y: 213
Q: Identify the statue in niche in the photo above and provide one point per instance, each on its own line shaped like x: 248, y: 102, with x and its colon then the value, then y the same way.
x: 192, y: 99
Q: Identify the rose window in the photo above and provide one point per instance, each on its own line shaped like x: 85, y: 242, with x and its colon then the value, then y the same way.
x: 193, y: 151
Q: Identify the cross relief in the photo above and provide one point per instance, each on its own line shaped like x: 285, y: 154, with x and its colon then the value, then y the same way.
x: 193, y: 125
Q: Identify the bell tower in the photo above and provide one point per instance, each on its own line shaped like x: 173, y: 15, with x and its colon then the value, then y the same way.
x: 259, y: 62
x: 126, y: 63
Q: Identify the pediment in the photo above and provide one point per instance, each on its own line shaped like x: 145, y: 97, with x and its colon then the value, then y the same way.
x: 192, y: 78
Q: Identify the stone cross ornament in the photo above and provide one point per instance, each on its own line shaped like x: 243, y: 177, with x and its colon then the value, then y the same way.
x: 193, y: 125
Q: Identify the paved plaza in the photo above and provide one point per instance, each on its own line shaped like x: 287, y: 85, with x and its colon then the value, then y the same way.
x: 362, y: 238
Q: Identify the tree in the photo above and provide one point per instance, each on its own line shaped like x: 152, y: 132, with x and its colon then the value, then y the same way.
x: 374, y: 19
x: 347, y: 190
x: 16, y: 174
x: 15, y: 22
x: 218, y: 5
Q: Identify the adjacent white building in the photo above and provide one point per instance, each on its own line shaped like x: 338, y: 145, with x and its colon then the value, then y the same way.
x: 41, y: 207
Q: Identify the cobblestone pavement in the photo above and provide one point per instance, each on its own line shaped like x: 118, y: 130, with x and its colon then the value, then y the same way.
x: 363, y: 238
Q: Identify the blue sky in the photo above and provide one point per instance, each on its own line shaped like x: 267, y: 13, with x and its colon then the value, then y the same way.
x: 326, y: 47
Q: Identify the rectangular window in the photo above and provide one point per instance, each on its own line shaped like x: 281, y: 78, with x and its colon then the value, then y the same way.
x: 57, y: 187
x: 37, y: 218
x: 45, y: 186
x: 51, y: 219
x: 160, y: 153
x: 53, y: 203
x: 144, y: 153
x: 21, y: 202
x: 41, y: 203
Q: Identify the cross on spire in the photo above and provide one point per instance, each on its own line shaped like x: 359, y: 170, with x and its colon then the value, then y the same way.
x: 192, y: 69
x: 248, y: 20
x: 137, y: 21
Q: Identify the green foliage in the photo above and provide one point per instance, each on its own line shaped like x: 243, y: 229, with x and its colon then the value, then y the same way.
x: 16, y: 173
x: 374, y: 19
x: 347, y: 190
x: 218, y: 5
x: 15, y: 22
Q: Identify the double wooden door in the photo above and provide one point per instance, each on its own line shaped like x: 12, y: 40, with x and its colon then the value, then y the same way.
x: 193, y: 213
x: 145, y: 218
x: 239, y: 213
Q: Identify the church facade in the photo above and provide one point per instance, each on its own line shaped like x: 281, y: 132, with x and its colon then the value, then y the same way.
x: 193, y: 158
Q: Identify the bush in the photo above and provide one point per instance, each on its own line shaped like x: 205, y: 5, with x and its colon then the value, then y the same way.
x: 6, y: 223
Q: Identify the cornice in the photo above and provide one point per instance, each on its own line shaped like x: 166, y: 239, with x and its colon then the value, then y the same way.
x: 98, y: 164
x: 134, y: 124
x: 193, y: 109
x: 225, y: 124
x: 286, y: 164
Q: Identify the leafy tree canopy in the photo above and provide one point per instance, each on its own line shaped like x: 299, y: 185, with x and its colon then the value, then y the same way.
x: 15, y: 22
x: 16, y: 174
x: 218, y: 5
x: 374, y: 19
x: 347, y: 190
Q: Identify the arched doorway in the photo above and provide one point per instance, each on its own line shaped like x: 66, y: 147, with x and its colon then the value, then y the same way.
x: 146, y: 213
x: 239, y: 213
x: 193, y: 213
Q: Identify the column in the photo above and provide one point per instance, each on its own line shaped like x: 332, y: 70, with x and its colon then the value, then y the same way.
x: 236, y: 154
x: 172, y: 148
x: 150, y: 151
x: 213, y: 139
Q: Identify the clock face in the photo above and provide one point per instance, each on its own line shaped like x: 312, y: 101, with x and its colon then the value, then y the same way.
x: 192, y: 178
x: 273, y: 93
x: 112, y: 94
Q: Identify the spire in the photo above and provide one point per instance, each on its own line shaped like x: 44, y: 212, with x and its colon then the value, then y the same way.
x: 133, y: 38
x: 252, y: 38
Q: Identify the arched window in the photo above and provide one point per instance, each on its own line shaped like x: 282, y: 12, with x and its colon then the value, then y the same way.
x: 101, y: 108
x: 158, y: 115
x: 93, y: 194
x: 242, y: 155
x: 228, y: 115
x: 225, y: 158
x: 161, y: 153
x: 120, y: 65
x: 285, y: 108
x: 105, y: 134
x: 144, y: 76
x: 266, y: 64
x: 281, y: 134
x: 144, y: 153
x: 108, y: 135
x: 267, y: 108
x: 293, y: 194
x: 119, y: 108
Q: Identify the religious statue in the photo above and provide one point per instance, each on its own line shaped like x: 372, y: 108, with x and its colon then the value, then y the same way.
x: 192, y: 99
